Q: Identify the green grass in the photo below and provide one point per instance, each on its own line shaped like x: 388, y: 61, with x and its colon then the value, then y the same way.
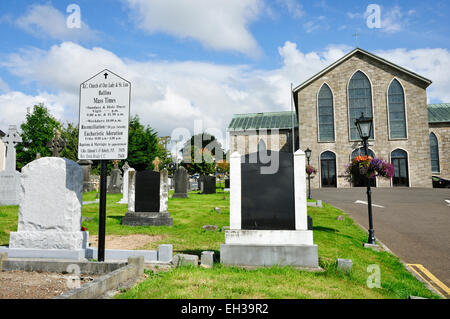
x: 335, y: 239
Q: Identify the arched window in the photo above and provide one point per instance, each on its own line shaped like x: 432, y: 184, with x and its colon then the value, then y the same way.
x: 326, y: 114
x: 397, y: 114
x: 361, y: 152
x: 400, y: 160
x: 328, y: 169
x: 359, y: 101
x: 434, y: 151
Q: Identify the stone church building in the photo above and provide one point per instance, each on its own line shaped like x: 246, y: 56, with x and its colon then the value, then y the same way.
x: 327, y: 106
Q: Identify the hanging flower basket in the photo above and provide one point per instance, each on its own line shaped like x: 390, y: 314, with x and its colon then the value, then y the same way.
x: 311, y: 170
x: 366, y: 166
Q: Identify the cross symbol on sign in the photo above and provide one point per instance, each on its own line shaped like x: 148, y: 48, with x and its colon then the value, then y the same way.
x: 106, y: 75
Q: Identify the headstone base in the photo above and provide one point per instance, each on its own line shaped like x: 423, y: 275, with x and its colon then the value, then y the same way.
x: 269, y: 237
x: 76, y: 254
x: 180, y: 195
x: 49, y: 240
x: 269, y: 255
x: 147, y: 219
x: 164, y: 254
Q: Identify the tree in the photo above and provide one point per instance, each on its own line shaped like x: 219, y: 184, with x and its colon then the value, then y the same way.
x: 37, y: 131
x: 70, y: 135
x: 142, y: 145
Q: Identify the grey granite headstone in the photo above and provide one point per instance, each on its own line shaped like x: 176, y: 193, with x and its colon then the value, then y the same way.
x: 10, y: 178
x: 207, y: 259
x: 344, y: 265
x: 115, y: 183
x: 181, y: 182
x: 86, y: 165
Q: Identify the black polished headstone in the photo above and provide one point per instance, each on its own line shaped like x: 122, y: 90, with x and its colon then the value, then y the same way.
x: 268, y: 199
x: 227, y: 183
x: 181, y: 183
x: 207, y: 184
x: 147, y: 191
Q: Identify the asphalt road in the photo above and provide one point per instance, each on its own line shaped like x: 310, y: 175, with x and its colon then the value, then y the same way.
x: 414, y: 223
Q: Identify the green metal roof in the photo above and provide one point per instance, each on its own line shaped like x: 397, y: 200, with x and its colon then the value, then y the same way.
x: 439, y: 113
x: 260, y: 121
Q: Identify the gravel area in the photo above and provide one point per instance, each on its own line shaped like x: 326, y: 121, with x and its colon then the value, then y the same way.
x: 35, y: 285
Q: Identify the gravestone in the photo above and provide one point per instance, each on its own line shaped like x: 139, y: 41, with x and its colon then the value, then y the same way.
x: 193, y: 184
x: 268, y: 212
x: 57, y: 144
x: 10, y: 178
x: 50, y: 211
x: 125, y: 185
x: 148, y: 195
x: 86, y: 165
x: 115, y: 181
x: 181, y: 183
x: 227, y: 183
x: 207, y: 184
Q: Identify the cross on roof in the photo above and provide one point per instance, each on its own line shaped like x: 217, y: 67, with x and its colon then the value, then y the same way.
x: 356, y: 35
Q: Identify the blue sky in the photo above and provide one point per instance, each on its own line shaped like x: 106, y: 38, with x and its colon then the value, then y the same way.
x: 192, y: 60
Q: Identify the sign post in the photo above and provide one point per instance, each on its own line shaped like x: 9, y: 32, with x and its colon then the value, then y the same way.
x: 103, y: 130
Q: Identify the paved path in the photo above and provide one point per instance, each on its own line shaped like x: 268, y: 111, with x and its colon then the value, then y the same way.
x: 414, y: 223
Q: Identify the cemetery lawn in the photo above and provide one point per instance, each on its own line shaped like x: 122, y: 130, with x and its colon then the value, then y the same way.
x: 335, y: 239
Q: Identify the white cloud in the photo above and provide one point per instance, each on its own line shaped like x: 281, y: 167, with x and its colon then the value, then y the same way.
x: 215, y: 24
x: 294, y: 8
x: 14, y: 106
x: 430, y: 63
x: 167, y: 95
x: 319, y: 23
x: 4, y: 87
x: 46, y: 21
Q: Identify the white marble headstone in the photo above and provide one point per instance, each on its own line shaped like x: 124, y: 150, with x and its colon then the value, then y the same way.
x: 126, y: 168
x: 164, y: 191
x: 50, y: 206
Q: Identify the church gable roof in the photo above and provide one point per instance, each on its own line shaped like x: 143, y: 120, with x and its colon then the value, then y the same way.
x: 373, y: 56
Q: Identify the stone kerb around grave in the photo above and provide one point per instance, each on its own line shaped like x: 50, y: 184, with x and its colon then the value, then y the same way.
x: 50, y: 206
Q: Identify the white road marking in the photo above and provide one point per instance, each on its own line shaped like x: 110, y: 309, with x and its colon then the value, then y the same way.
x: 365, y: 203
x: 448, y: 202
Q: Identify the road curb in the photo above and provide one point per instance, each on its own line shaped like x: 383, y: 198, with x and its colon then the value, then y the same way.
x: 386, y: 248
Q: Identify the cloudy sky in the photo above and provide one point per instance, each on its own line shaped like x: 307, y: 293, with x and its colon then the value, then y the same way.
x: 204, y: 60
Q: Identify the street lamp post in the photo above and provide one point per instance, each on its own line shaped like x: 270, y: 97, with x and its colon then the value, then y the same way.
x: 308, y: 156
x: 365, y: 126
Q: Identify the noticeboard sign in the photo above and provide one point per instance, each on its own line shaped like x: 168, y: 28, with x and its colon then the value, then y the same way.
x: 104, y: 117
